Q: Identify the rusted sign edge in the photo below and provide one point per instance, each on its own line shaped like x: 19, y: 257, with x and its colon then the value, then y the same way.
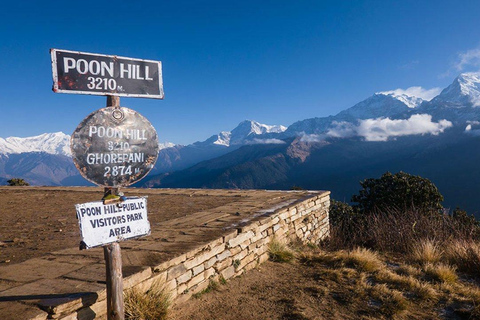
x: 145, y: 95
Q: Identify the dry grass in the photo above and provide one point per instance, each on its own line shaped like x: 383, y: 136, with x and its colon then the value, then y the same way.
x: 408, y: 270
x: 440, y: 272
x: 426, y: 251
x: 409, y: 284
x: 465, y: 255
x: 151, y: 305
x: 398, y: 231
x: 364, y: 260
x: 358, y: 258
x: 405, y: 290
x: 393, y: 303
x: 279, y: 252
x: 425, y: 292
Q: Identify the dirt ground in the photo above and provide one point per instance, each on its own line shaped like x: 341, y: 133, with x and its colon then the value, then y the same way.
x: 272, y: 291
x: 283, y: 291
x: 36, y: 221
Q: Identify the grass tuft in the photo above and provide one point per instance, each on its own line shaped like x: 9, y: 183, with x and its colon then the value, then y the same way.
x: 426, y: 251
x: 151, y: 305
x: 424, y: 291
x: 408, y: 270
x: 392, y: 301
x: 364, y: 260
x: 465, y: 254
x: 222, y: 280
x: 279, y: 252
x: 212, y: 286
x: 441, y: 273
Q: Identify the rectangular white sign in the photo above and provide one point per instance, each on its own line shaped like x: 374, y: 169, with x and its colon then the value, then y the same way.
x: 106, y: 223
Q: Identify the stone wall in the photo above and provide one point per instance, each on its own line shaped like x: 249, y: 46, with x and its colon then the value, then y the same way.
x: 243, y: 248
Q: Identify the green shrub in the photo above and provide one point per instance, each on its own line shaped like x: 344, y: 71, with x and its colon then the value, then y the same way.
x: 341, y: 213
x: 400, y: 191
x: 17, y: 182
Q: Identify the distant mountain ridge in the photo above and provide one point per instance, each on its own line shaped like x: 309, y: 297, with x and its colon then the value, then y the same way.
x: 52, y: 143
x: 391, y: 130
x: 244, y: 133
x: 387, y: 131
x: 171, y: 156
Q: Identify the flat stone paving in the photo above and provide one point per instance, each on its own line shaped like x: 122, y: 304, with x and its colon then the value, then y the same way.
x: 56, y: 281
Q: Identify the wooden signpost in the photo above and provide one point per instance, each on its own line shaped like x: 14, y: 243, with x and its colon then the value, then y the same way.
x: 113, y: 147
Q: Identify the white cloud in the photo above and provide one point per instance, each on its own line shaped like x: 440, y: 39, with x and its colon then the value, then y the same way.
x: 470, y: 58
x: 465, y: 61
x: 266, y: 141
x: 342, y: 129
x: 381, y: 129
x: 312, y: 137
x: 419, y: 92
x: 472, y: 128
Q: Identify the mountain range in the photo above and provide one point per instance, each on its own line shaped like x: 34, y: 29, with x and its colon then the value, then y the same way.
x: 436, y: 137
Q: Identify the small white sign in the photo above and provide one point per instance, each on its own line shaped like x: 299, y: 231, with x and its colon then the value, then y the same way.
x: 106, y: 223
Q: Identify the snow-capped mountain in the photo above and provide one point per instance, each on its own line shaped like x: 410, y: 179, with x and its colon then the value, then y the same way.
x: 52, y: 143
x: 459, y: 102
x: 389, y: 104
x: 248, y: 130
x: 464, y: 91
x: 181, y: 157
x: 164, y: 145
x: 244, y: 133
x: 378, y: 105
x: 220, y: 139
x: 410, y: 100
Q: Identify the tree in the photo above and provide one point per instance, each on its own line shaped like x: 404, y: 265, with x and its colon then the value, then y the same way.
x: 341, y: 213
x: 400, y: 191
x: 17, y: 182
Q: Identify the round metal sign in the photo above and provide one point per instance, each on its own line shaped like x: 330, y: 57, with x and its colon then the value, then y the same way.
x: 114, y: 147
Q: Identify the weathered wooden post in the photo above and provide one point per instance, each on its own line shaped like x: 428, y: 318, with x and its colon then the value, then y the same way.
x: 113, y: 263
x: 113, y: 258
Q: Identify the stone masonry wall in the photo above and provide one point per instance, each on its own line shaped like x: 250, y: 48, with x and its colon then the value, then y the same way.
x: 244, y: 248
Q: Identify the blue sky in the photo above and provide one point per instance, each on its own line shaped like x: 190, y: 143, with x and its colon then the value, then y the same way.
x: 275, y: 62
